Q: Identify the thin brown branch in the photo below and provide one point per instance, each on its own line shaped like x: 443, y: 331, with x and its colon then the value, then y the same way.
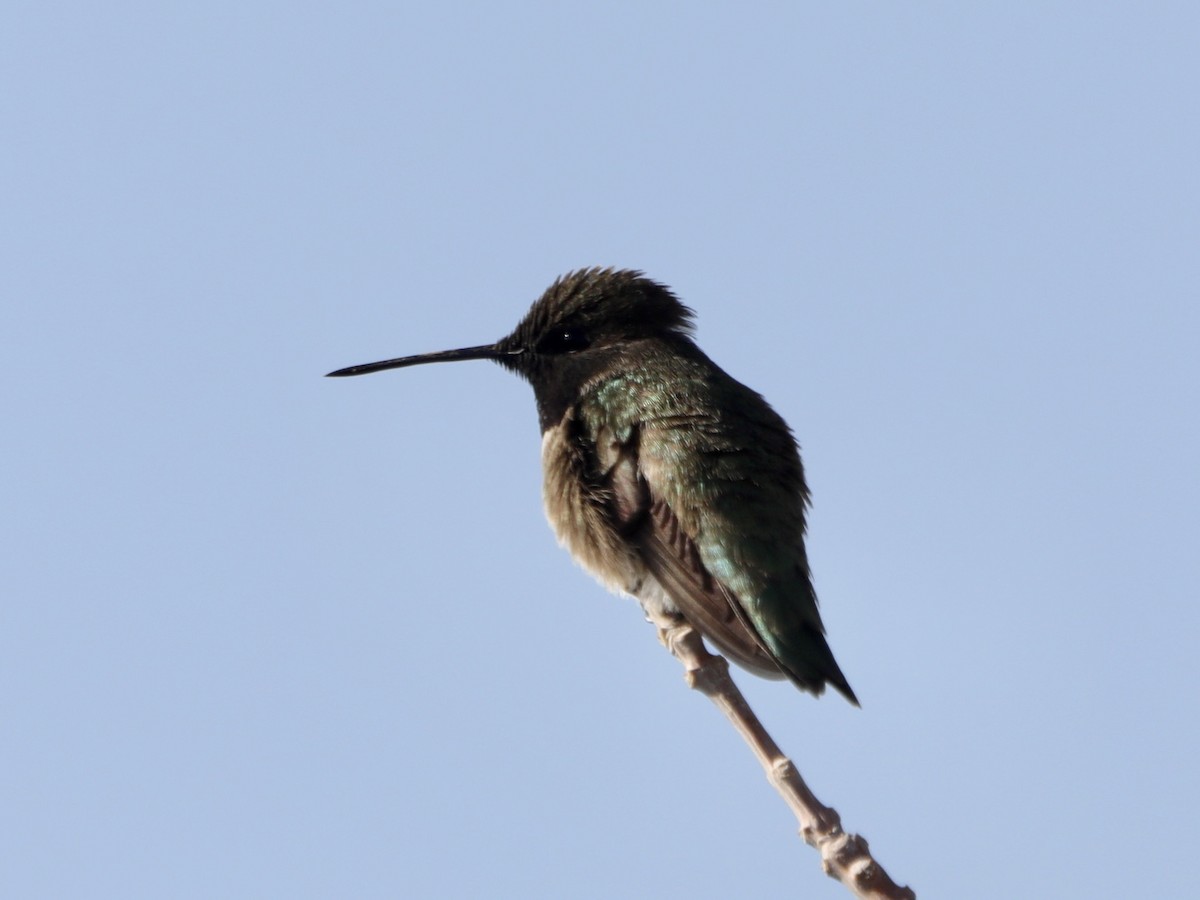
x: 845, y: 857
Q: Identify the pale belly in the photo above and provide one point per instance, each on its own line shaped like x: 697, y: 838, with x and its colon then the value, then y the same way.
x: 576, y: 512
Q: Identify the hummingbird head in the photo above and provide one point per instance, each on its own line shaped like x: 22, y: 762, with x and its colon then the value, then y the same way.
x: 588, y: 310
x: 582, y: 325
x: 593, y: 309
x: 585, y: 324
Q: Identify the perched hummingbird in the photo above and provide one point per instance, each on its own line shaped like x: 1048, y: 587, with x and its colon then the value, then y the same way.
x: 663, y: 476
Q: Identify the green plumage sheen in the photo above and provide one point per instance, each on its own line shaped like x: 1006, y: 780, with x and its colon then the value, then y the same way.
x: 727, y: 465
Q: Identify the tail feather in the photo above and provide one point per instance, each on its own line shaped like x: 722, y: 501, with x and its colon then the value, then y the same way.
x: 809, y: 664
x: 788, y: 624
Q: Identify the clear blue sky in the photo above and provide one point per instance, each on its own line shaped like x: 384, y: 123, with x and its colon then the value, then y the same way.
x: 266, y: 634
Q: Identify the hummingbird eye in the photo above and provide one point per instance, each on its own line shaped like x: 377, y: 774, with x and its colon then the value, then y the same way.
x: 563, y: 340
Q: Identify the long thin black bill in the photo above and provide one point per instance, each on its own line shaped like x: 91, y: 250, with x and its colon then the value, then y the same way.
x: 487, y: 351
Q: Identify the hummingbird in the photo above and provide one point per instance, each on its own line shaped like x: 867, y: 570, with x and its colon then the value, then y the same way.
x: 664, y: 477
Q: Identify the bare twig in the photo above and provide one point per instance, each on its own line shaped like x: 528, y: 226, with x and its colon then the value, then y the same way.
x: 845, y: 857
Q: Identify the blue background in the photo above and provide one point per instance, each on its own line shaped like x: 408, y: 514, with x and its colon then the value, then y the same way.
x: 265, y: 634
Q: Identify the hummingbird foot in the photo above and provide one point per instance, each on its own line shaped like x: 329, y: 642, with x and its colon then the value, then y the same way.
x: 705, y: 672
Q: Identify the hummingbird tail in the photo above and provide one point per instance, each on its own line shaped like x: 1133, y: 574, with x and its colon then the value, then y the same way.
x: 809, y: 664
